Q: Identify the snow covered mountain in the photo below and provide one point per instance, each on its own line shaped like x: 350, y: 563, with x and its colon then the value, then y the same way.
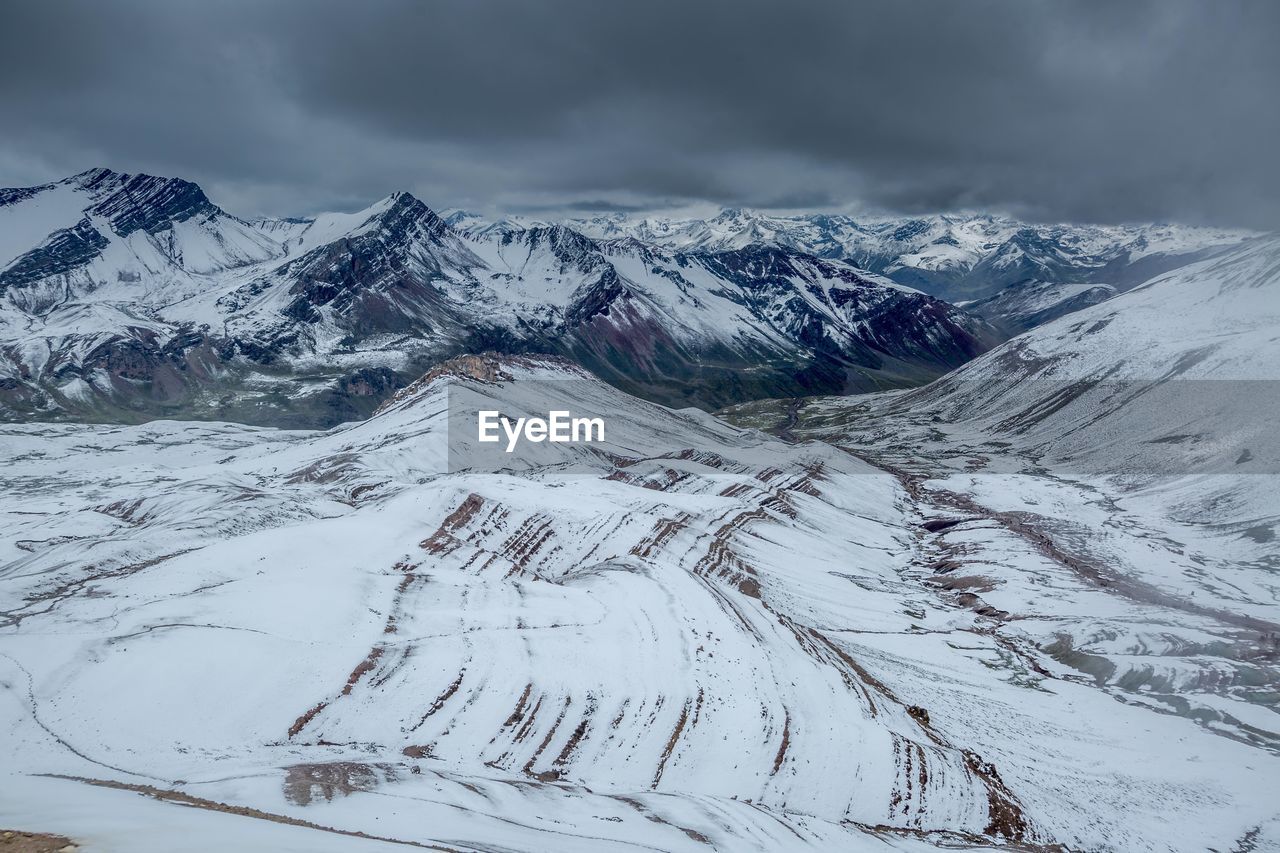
x: 956, y: 257
x: 1106, y: 489
x: 1177, y: 375
x: 688, y: 637
x: 126, y: 297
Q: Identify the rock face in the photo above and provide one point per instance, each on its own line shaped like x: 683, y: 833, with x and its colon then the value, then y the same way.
x: 130, y: 297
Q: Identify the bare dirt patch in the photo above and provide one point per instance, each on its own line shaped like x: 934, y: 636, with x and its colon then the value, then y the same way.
x: 306, y: 783
x: 14, y: 841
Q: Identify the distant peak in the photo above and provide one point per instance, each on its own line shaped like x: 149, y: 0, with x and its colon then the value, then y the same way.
x: 97, y: 173
x: 394, y: 202
x: 102, y: 180
x: 562, y: 238
x: 140, y: 201
x: 405, y: 201
x: 402, y: 210
x: 457, y: 217
x: 96, y: 178
x: 730, y: 213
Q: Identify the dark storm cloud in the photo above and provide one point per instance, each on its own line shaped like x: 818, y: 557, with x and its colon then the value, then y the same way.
x: 1102, y: 111
x: 584, y: 206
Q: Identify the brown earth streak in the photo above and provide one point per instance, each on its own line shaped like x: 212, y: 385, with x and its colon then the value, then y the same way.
x: 1003, y: 811
x: 547, y: 775
x: 786, y: 742
x: 441, y: 699
x: 359, y: 672
x: 518, y: 714
x: 575, y: 739
x: 527, y: 726
x: 521, y: 547
x: 15, y: 841
x: 302, y: 721
x: 443, y: 539
x: 180, y: 798
x: 362, y: 669
x: 665, y: 530
x: 671, y: 743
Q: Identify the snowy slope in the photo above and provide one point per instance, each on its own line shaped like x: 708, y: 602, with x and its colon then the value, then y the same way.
x: 690, y: 637
x: 1180, y: 371
x: 1032, y: 303
x: 1106, y: 490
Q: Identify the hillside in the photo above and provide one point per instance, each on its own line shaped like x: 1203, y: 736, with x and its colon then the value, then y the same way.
x: 688, y: 635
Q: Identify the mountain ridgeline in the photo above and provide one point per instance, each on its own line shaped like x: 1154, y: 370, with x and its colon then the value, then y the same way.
x: 961, y: 258
x: 131, y: 297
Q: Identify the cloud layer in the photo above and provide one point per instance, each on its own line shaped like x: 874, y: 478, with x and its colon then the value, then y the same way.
x: 1091, y: 111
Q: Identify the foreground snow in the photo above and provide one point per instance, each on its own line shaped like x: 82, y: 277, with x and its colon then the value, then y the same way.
x: 693, y: 637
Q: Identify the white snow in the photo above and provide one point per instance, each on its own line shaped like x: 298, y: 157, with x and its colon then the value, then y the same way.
x: 26, y: 225
x: 698, y: 636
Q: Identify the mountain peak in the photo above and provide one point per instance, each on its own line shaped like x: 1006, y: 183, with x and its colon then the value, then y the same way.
x: 456, y: 218
x: 93, y: 177
x: 730, y: 214
x: 402, y: 207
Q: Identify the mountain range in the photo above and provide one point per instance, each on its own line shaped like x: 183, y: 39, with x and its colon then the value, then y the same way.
x: 957, y: 257
x: 131, y: 296
x: 128, y: 297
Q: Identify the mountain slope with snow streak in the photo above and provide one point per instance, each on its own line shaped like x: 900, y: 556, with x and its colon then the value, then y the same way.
x: 127, y: 297
x: 690, y: 637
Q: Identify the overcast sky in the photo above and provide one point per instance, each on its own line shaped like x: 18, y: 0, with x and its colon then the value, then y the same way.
x: 1090, y: 111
